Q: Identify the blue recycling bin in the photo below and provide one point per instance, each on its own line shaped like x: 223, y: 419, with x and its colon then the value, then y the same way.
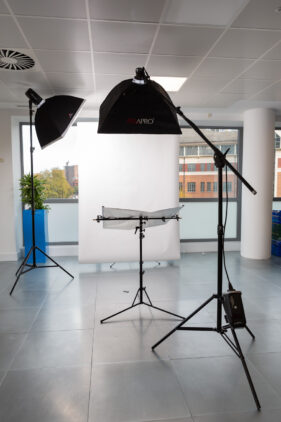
x: 41, y: 234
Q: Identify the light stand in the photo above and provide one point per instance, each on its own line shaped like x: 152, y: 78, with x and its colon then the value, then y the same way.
x: 220, y: 162
x: 36, y: 99
x: 141, y: 292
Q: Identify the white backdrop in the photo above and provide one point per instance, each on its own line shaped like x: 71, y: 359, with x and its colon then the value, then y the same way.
x: 126, y: 171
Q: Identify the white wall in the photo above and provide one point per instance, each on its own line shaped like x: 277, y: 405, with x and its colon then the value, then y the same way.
x: 9, y: 239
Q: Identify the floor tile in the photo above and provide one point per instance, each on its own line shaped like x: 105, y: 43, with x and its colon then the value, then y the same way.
x: 45, y: 395
x: 269, y: 365
x: 54, y: 318
x: 55, y: 349
x: 17, y: 320
x: 136, y: 391
x: 9, y: 346
x: 253, y: 416
x: 219, y: 385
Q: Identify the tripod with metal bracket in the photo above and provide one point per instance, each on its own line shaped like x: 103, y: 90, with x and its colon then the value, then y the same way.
x: 141, y: 297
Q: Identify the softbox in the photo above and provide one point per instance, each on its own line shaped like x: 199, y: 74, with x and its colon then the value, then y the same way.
x: 138, y: 108
x: 55, y: 116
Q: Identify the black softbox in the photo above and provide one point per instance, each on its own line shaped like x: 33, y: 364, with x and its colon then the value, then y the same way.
x: 55, y: 116
x: 138, y: 108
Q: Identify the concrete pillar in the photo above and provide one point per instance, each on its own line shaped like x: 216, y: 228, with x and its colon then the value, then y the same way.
x: 258, y: 170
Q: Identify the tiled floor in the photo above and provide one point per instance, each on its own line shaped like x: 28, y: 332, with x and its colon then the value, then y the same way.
x: 59, y: 364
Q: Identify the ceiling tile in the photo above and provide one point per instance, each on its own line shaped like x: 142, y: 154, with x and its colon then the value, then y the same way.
x: 62, y: 81
x: 212, y: 12
x: 214, y: 67
x: 274, y: 54
x: 244, y: 43
x: 105, y: 83
x: 185, y: 41
x: 81, y: 93
x: 122, y: 37
x: 272, y: 93
x: 259, y: 14
x: 264, y: 69
x: 224, y: 100
x: 203, y: 86
x: 192, y: 100
x: 172, y: 65
x: 5, y: 93
x: 10, y: 37
x: 53, y: 8
x: 128, y: 10
x: 247, y: 86
x: 122, y: 64
x: 19, y: 82
x: 64, y: 61
x: 56, y: 34
x: 3, y: 8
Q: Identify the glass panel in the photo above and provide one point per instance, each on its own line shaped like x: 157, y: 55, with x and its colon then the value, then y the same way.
x: 57, y: 163
x: 63, y: 222
x: 199, y: 220
x: 198, y: 168
x: 277, y: 170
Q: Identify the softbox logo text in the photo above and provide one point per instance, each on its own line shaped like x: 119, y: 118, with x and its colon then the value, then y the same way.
x: 140, y: 121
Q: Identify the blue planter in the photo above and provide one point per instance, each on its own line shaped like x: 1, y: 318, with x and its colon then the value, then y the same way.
x: 41, y: 234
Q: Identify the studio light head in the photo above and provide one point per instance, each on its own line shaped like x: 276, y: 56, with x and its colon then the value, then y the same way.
x: 138, y: 105
x: 54, y: 116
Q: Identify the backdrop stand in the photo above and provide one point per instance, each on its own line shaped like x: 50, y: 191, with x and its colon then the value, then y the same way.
x: 21, y: 270
x: 141, y: 294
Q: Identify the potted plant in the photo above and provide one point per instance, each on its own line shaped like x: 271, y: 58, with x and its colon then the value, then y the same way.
x: 41, y: 221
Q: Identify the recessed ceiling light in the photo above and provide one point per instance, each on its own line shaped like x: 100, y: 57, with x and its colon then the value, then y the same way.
x: 169, y: 83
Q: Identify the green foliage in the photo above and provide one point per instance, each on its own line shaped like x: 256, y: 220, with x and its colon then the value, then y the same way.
x: 39, y: 191
x: 56, y: 184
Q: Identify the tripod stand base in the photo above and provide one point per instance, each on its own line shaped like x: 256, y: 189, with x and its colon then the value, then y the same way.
x: 21, y: 270
x: 140, y: 293
x: 222, y: 330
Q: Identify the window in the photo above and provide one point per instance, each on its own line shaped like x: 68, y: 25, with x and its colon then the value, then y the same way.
x: 180, y: 187
x: 215, y: 186
x: 191, y: 150
x: 191, y: 187
x: 191, y: 167
x: 57, y: 164
x: 227, y: 186
x: 205, y: 150
x: 202, y: 186
x: 224, y: 148
x: 181, y: 150
x: 205, y: 171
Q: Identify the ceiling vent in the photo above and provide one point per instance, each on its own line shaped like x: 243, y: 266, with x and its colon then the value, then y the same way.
x: 14, y: 60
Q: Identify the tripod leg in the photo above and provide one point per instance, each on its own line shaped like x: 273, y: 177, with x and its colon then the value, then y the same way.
x: 156, y: 307
x: 241, y: 356
x: 120, y: 312
x: 250, y: 332
x: 51, y: 259
x: 21, y: 268
x: 184, y: 321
